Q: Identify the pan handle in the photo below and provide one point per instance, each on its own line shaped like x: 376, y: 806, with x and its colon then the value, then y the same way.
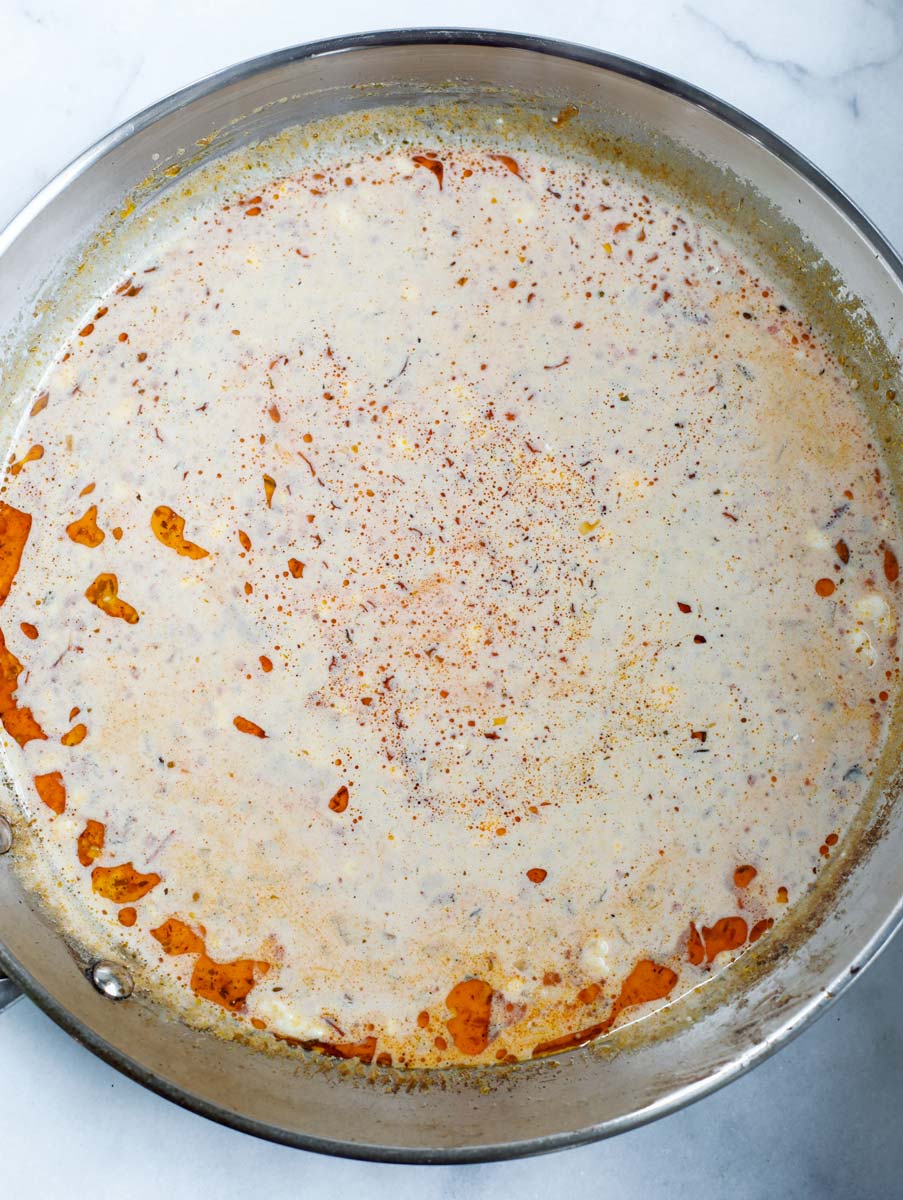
x: 9, y: 992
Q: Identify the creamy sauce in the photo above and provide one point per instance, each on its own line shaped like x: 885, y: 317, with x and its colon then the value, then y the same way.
x: 457, y: 604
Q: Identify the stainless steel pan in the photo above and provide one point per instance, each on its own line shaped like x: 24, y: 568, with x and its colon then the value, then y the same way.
x: 788, y: 979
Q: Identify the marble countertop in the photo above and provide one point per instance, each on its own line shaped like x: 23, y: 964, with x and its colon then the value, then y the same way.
x: 821, y: 1119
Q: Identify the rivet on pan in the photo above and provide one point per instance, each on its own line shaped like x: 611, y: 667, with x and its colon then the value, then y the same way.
x: 111, y: 980
x: 6, y: 836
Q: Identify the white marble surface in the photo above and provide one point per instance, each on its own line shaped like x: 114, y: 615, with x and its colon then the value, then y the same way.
x: 820, y: 1120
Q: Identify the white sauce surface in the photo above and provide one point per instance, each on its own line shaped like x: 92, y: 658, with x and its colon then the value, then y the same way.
x: 563, y: 475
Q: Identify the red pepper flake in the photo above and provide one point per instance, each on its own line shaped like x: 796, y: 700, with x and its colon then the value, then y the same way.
x: 431, y: 164
x: 891, y: 566
x: 832, y: 839
x: 52, y: 791
x: 87, y: 489
x: 40, y: 404
x: 243, y: 725
x: 244, y: 539
x: 555, y: 366
x: 253, y: 211
x: 274, y: 413
x: 423, y: 1019
x: 29, y: 630
x: 296, y: 567
x: 87, y: 330
x: 266, y: 664
x: 269, y: 487
x: 699, y: 735
x: 537, y: 875
x: 339, y: 802
x: 699, y: 639
x: 621, y: 226
x: 684, y: 608
x: 117, y: 532
x: 783, y: 895
x: 825, y: 588
x: 75, y: 736
x: 843, y: 551
x: 743, y: 876
x: 730, y: 516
